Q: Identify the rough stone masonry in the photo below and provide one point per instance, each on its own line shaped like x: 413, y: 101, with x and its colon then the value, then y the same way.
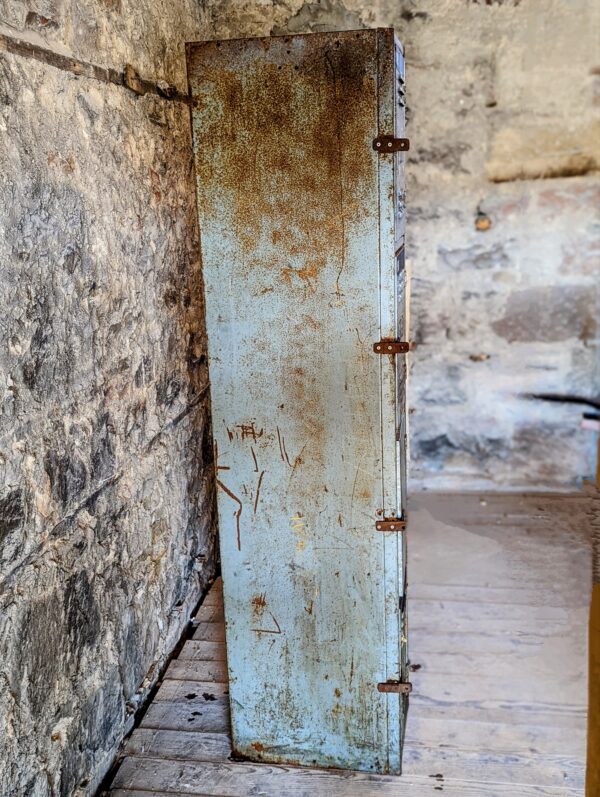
x: 106, y: 497
x: 106, y: 506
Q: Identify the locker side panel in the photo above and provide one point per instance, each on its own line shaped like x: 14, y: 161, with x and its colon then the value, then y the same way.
x: 402, y: 305
x: 389, y: 328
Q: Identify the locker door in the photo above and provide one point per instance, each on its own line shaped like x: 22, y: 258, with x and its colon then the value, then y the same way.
x: 298, y: 230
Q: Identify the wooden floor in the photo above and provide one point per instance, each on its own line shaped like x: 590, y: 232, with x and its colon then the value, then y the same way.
x: 498, y: 603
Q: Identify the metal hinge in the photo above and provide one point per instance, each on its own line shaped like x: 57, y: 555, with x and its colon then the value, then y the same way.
x: 390, y: 144
x: 390, y: 524
x: 396, y: 687
x: 391, y: 347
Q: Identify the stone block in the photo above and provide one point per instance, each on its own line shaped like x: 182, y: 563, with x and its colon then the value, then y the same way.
x: 107, y: 504
x: 550, y: 314
x: 532, y: 152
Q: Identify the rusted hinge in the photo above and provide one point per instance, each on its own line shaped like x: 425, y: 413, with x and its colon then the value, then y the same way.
x: 390, y: 144
x: 390, y: 524
x: 396, y: 687
x: 391, y: 347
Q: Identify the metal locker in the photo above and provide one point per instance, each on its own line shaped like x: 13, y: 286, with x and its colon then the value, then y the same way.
x: 299, y: 164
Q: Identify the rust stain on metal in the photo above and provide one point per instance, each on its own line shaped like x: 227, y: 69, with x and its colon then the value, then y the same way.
x: 282, y: 451
x: 384, y: 144
x: 260, y: 478
x: 276, y: 630
x: 395, y: 687
x: 259, y: 603
x: 268, y: 102
x: 216, y: 457
x: 237, y: 513
x: 309, y: 274
x: 248, y: 430
x: 390, y: 524
x: 391, y: 347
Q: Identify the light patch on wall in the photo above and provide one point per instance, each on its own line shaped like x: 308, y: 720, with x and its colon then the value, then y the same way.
x: 322, y: 15
x: 519, y: 153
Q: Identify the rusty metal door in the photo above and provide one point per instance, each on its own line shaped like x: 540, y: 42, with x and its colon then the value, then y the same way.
x: 301, y: 213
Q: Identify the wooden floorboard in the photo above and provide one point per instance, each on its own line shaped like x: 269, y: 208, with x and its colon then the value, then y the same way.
x: 243, y: 779
x: 144, y: 793
x: 463, y: 666
x: 200, y: 650
x: 498, y: 602
x: 494, y: 711
x: 194, y: 670
x: 210, y: 614
x: 441, y: 733
x: 546, y: 770
x: 210, y: 717
x: 482, y: 595
x: 174, y: 691
x: 209, y: 632
x: 191, y: 746
x: 496, y: 687
x: 535, y: 769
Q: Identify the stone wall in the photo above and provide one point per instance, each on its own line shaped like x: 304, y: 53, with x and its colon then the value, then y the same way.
x: 106, y: 503
x: 106, y: 499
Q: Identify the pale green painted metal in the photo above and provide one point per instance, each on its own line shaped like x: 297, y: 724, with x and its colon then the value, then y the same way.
x: 300, y: 237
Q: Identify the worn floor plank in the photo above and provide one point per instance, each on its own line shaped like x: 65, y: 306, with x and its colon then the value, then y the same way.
x: 546, y: 770
x: 210, y: 717
x: 498, y: 687
x: 194, y: 670
x: 441, y: 733
x: 190, y: 691
x: 215, y: 594
x: 494, y: 767
x: 482, y: 595
x: 191, y: 746
x: 498, y: 606
x: 203, y: 651
x: 465, y: 665
x: 494, y: 712
x: 243, y: 779
x: 210, y: 632
x: 210, y: 613
x: 144, y: 793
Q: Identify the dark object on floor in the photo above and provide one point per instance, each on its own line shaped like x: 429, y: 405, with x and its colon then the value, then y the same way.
x: 559, y: 398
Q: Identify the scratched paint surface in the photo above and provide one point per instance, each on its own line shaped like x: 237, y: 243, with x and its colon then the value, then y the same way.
x: 299, y: 236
